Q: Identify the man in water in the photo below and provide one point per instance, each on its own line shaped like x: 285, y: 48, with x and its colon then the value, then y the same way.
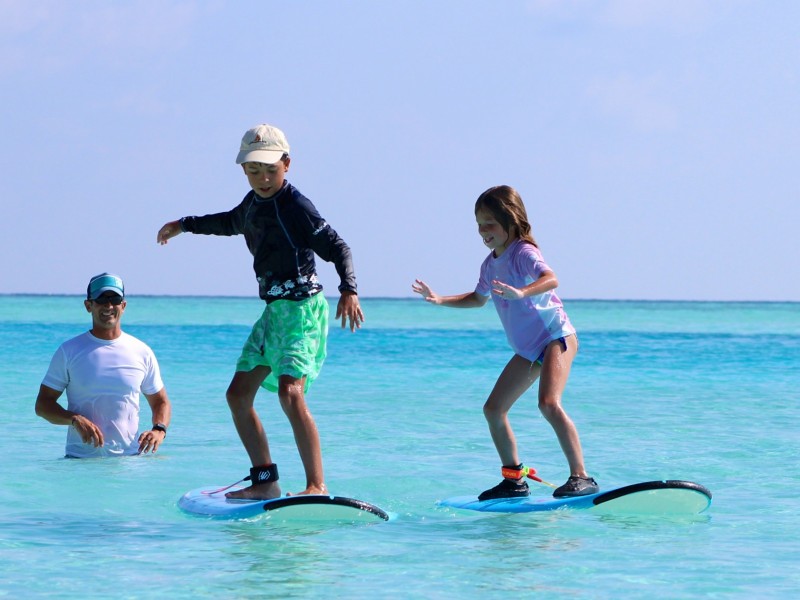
x: 103, y: 372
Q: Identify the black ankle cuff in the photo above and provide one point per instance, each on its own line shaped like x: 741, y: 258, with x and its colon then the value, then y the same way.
x: 261, y: 475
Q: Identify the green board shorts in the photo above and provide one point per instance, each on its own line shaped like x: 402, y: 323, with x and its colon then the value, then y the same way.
x: 290, y: 338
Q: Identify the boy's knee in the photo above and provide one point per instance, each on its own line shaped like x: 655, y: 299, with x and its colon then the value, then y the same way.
x: 290, y: 394
x: 235, y: 399
x: 241, y: 392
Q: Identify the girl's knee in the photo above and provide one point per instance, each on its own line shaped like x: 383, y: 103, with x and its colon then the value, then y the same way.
x: 492, y: 412
x: 549, y: 408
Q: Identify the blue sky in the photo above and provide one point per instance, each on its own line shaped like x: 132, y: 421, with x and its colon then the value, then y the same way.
x: 656, y: 143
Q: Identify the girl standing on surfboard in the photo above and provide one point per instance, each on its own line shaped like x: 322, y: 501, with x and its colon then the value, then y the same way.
x: 537, y: 327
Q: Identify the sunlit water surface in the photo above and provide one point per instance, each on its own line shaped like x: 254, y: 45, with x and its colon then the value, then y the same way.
x: 701, y: 391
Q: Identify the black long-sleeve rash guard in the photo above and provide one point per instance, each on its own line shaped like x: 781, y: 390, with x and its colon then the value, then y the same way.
x: 282, y: 233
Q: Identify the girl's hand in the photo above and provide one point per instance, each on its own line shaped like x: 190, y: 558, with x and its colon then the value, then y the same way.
x: 169, y: 230
x: 422, y: 288
x: 505, y: 291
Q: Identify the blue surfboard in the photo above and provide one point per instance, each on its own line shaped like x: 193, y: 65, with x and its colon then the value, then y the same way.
x: 210, y: 501
x: 670, y: 497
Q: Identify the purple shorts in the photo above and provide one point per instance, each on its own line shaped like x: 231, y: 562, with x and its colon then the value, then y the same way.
x: 540, y: 360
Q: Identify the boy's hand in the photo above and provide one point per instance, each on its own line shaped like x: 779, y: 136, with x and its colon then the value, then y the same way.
x: 349, y: 308
x: 170, y: 230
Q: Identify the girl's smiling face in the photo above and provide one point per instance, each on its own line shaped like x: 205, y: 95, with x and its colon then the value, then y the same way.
x: 492, y: 233
x: 266, y: 180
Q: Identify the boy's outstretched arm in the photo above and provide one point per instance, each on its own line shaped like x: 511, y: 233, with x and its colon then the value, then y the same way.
x: 169, y: 230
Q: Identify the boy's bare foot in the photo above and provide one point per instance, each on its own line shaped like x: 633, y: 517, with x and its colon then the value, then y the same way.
x: 313, y: 490
x: 262, y: 491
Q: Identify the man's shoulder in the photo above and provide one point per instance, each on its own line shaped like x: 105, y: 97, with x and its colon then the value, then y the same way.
x: 132, y: 341
x: 125, y: 342
x: 78, y: 341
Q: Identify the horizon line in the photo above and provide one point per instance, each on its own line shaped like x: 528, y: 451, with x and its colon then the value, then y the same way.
x: 236, y: 297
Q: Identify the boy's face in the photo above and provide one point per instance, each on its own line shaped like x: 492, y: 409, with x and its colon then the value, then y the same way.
x: 266, y: 180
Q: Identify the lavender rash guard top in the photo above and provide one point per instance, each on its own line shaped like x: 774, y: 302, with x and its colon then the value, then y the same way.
x: 533, y: 322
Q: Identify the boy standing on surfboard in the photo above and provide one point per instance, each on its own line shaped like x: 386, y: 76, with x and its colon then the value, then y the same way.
x: 287, y: 345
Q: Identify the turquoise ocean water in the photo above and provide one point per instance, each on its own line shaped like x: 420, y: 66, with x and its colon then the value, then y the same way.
x: 701, y: 391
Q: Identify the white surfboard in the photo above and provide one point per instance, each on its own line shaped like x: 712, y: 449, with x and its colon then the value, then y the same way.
x: 210, y: 501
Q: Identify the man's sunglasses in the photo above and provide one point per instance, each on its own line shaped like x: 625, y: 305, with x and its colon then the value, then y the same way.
x: 106, y: 300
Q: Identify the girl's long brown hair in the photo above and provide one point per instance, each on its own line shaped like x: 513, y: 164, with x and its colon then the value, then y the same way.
x: 505, y: 204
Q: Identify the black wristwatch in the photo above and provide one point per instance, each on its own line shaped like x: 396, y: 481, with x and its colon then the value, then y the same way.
x: 160, y: 427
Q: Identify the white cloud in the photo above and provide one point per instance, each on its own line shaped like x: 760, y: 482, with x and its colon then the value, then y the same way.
x: 680, y: 15
x: 141, y: 27
x: 50, y: 36
x: 643, y: 103
x: 18, y: 17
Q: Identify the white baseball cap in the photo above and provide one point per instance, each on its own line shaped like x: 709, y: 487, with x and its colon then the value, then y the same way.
x: 264, y: 144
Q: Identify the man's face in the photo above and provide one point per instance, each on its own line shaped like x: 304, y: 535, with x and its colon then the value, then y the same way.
x: 106, y: 310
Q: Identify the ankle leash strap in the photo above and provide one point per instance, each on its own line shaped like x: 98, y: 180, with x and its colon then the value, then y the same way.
x: 519, y: 473
x: 264, y: 474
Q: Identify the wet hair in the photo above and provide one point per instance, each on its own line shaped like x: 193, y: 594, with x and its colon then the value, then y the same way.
x: 505, y: 205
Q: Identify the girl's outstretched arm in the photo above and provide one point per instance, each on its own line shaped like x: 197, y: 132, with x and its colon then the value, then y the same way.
x: 547, y: 281
x: 467, y: 300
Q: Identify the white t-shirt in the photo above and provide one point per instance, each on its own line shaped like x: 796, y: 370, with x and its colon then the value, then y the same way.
x: 103, y: 379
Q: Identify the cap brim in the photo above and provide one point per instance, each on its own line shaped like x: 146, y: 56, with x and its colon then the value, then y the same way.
x: 108, y: 288
x: 268, y: 157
